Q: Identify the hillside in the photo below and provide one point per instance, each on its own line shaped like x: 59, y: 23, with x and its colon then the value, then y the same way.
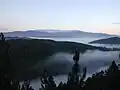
x: 40, y: 48
x: 25, y: 53
x: 112, y: 40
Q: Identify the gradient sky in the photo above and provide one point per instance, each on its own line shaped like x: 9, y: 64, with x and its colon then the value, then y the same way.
x: 87, y: 15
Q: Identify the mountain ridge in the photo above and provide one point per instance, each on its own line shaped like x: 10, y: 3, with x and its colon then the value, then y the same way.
x: 55, y: 33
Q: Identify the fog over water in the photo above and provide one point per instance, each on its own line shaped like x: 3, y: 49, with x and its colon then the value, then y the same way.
x: 93, y: 60
x: 62, y: 62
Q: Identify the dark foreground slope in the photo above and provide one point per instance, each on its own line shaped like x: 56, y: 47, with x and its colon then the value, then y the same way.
x: 25, y: 53
x: 103, y: 80
x: 112, y: 40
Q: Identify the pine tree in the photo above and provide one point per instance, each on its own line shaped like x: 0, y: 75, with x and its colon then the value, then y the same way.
x: 76, y: 77
x: 113, y: 68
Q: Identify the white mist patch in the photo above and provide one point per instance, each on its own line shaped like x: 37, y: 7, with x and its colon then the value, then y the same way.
x: 95, y: 61
x: 59, y: 63
x: 60, y: 57
x: 100, y: 55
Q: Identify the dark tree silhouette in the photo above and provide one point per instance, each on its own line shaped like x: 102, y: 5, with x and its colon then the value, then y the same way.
x: 113, y: 68
x: 103, y: 80
x: 26, y: 85
x: 4, y: 64
x: 76, y: 78
x: 47, y: 82
x: 6, y: 81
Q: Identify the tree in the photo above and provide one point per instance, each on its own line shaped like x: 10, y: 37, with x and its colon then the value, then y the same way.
x: 83, y: 76
x: 113, y: 68
x: 47, y: 81
x: 5, y: 65
x: 76, y: 77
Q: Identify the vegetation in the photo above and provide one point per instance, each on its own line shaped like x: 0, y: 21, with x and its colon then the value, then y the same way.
x: 35, y: 49
x: 26, y: 53
x: 103, y: 80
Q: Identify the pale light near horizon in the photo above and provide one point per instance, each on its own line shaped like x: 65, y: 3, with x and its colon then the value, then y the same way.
x: 87, y: 15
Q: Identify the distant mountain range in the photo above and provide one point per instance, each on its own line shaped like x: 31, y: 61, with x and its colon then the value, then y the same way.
x: 14, y: 38
x: 56, y: 34
x: 112, y: 40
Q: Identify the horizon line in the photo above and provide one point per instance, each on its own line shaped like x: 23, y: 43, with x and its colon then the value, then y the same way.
x: 56, y: 30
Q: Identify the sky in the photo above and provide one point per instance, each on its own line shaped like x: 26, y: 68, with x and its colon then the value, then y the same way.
x: 87, y: 15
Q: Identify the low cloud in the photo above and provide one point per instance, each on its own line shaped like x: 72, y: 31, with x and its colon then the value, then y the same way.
x: 93, y: 60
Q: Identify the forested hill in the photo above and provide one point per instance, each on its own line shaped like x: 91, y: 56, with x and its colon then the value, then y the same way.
x: 19, y: 52
x: 25, y: 53
x: 40, y: 48
x: 112, y: 40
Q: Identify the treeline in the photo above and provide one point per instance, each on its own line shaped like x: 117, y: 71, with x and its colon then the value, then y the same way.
x: 103, y: 80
